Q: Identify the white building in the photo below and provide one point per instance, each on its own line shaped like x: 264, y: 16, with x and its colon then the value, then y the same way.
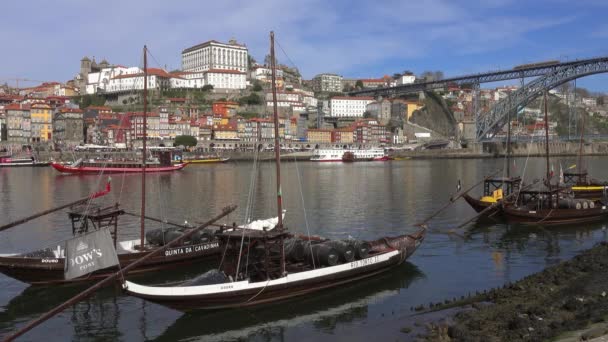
x: 327, y: 83
x: 346, y: 106
x: 215, y: 55
x: 405, y: 79
x: 263, y: 73
x: 226, y: 79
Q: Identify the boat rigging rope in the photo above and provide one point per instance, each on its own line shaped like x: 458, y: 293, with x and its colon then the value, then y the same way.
x: 260, y: 292
x: 295, y: 159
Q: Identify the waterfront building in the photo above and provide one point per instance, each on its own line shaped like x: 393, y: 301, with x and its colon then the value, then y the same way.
x: 18, y: 123
x: 344, y: 135
x: 205, y: 132
x: 215, y: 55
x: 319, y: 136
x: 347, y: 106
x: 136, y: 125
x: 68, y: 126
x: 327, y: 83
x: 225, y: 132
x: 369, y: 131
x: 42, y: 122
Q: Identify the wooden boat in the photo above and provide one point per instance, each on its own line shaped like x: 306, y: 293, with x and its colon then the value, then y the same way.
x: 267, y: 266
x: 582, y: 187
x: 9, y: 161
x: 551, y: 206
x: 494, y: 189
x: 96, y: 166
x: 203, y: 160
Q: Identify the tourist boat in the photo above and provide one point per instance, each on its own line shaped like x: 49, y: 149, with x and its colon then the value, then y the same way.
x: 95, y: 166
x: 264, y: 266
x: 9, y: 161
x: 551, y: 205
x: 349, y: 155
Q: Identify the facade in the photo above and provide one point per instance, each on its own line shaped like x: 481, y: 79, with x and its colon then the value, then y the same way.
x: 68, y: 126
x: 319, y: 136
x: 215, y: 55
x: 42, y: 122
x: 136, y: 124
x: 226, y: 79
x: 380, y: 110
x: 345, y: 106
x: 18, y: 123
x: 327, y: 83
x: 343, y: 136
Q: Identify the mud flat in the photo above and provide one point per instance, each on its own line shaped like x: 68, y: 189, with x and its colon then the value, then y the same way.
x: 565, y: 302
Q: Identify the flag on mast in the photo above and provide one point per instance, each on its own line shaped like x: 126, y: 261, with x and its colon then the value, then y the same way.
x: 88, y: 253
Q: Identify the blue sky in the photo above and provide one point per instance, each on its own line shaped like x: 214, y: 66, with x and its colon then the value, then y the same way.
x: 45, y: 40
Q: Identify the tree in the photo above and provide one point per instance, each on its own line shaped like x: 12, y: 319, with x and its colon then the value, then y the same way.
x: 250, y: 61
x: 207, y: 87
x: 367, y: 114
x: 359, y: 84
x: 257, y: 86
x: 185, y: 140
x: 396, y: 76
x: 347, y: 88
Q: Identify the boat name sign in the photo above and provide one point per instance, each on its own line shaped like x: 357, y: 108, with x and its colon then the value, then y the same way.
x: 364, y: 262
x: 191, y: 249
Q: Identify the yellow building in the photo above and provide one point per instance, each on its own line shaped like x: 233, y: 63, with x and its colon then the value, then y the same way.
x: 411, y: 107
x: 319, y: 136
x: 42, y: 122
x: 227, y: 132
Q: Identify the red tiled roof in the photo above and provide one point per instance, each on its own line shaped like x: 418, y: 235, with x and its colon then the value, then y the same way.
x: 99, y: 108
x: 71, y: 110
x: 222, y: 71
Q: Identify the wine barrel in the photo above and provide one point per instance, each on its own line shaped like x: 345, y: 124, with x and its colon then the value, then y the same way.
x: 585, y: 205
x: 591, y: 204
x: 294, y: 249
x: 569, y: 203
x: 346, y: 250
x: 321, y: 254
x: 361, y: 248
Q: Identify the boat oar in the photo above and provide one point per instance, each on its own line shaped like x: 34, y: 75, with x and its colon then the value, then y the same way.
x: 453, y: 199
x: 102, y: 283
x: 46, y: 212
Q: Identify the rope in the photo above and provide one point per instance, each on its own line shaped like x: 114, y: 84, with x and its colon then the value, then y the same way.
x: 304, y: 209
x: 257, y: 294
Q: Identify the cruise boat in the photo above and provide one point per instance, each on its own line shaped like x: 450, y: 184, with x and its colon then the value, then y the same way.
x: 9, y: 161
x: 161, y: 162
x: 349, y: 155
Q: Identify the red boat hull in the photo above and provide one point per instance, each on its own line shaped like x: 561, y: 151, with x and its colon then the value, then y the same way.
x: 94, y: 169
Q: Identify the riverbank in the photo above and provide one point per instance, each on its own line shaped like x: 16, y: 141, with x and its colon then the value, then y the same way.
x: 565, y: 302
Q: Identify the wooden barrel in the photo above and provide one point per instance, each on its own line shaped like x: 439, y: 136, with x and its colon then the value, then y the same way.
x: 294, y: 249
x: 361, y: 248
x: 346, y: 250
x: 321, y: 254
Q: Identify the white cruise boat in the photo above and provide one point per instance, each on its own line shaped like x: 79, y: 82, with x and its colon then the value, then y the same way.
x: 349, y: 155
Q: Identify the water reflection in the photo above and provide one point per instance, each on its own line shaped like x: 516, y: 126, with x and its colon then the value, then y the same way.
x: 323, y: 311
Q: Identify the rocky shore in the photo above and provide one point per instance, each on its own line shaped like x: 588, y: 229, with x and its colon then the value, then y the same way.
x: 565, y: 302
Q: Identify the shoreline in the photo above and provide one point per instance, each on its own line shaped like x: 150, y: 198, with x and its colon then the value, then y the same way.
x: 565, y: 302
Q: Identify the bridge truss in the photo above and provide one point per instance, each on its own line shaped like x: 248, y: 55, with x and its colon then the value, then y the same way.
x: 492, y: 122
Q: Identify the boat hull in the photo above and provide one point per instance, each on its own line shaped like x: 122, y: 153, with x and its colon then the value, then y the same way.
x: 387, y: 253
x: 480, y: 206
x: 205, y: 161
x: 549, y: 217
x: 30, y: 164
x: 50, y: 270
x: 95, y: 170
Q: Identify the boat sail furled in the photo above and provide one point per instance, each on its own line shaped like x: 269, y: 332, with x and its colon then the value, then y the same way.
x: 270, y: 265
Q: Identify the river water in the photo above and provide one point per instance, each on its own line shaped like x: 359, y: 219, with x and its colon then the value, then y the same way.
x: 363, y: 200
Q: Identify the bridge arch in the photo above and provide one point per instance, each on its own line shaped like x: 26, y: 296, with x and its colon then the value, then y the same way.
x: 491, y: 123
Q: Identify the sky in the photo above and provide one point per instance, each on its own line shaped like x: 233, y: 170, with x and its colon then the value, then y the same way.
x: 45, y: 40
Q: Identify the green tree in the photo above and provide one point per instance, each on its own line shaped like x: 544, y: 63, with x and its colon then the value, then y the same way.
x: 185, y: 140
x: 359, y: 84
x: 367, y: 114
x: 207, y: 87
x: 257, y: 86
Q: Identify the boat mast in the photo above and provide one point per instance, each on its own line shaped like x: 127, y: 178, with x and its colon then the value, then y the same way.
x: 277, y: 149
x: 509, y: 144
x: 143, y: 151
x: 580, y: 148
x: 547, y: 148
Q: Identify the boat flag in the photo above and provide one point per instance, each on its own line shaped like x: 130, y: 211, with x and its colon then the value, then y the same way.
x: 571, y: 167
x: 552, y: 172
x: 88, y: 253
x: 458, y: 187
x: 561, y: 174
